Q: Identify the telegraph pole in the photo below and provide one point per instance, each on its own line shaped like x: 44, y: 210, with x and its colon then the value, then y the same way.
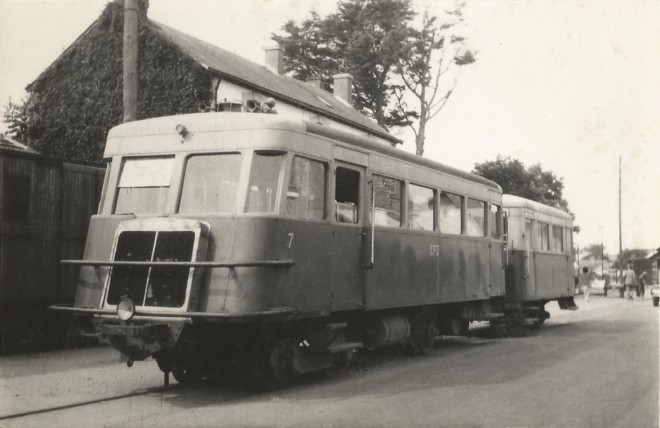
x: 620, y: 234
x: 130, y: 59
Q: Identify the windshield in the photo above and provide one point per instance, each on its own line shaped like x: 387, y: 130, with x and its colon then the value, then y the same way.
x: 144, y: 185
x: 211, y: 183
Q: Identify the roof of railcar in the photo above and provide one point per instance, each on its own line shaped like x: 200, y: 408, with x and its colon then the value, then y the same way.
x: 234, y: 121
x: 512, y: 201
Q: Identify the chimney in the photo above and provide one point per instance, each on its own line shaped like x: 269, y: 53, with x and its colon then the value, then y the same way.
x: 275, y: 59
x: 343, y: 86
x: 314, y: 81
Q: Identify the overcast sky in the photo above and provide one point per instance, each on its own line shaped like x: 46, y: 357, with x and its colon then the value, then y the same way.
x: 572, y: 85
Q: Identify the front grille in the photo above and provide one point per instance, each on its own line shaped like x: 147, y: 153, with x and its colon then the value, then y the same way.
x: 162, y: 286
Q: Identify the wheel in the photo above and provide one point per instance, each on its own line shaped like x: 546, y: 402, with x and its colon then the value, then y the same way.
x: 537, y: 323
x: 274, y: 365
x: 655, y: 301
x: 186, y: 373
x: 422, y: 336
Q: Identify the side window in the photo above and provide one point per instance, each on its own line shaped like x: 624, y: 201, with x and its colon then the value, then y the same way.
x: 347, y: 195
x: 569, y: 239
x: 388, y: 202
x: 264, y: 182
x: 305, y: 196
x: 538, y: 239
x: 528, y: 234
x: 450, y: 213
x: 16, y: 205
x: 558, y: 238
x: 476, y: 218
x: 545, y: 237
x: 495, y: 214
x: 421, y: 207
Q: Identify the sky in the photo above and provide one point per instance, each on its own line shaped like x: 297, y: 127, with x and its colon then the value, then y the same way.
x: 571, y: 85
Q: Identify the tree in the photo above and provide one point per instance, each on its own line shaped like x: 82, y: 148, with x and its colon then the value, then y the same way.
x: 595, y: 252
x: 627, y: 255
x: 78, y: 98
x: 433, y: 52
x: 16, y: 117
x: 532, y: 183
x: 366, y: 38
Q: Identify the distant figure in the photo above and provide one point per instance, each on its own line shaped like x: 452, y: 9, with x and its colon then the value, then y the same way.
x: 606, y: 277
x: 629, y: 280
x: 586, y: 281
x: 642, y: 284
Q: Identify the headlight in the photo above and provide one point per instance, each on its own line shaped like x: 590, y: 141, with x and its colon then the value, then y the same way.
x: 125, y: 309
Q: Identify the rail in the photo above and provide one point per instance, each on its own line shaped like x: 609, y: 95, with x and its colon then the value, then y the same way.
x: 231, y: 264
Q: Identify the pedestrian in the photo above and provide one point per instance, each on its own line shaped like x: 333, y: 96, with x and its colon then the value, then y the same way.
x: 586, y: 280
x: 629, y: 281
x: 642, y: 283
x: 606, y: 277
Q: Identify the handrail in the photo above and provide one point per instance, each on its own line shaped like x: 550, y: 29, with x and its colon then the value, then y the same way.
x: 229, y: 264
x: 275, y: 312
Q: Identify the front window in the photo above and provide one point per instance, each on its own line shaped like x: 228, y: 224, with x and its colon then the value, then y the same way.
x: 305, y: 196
x: 144, y: 185
x: 264, y: 182
x: 210, y: 183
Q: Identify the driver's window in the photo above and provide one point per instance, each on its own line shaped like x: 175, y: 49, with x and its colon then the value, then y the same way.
x: 347, y: 196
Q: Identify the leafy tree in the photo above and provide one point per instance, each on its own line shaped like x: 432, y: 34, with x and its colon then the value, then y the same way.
x: 627, y: 255
x: 532, y: 183
x: 15, y: 116
x: 78, y: 98
x: 595, y: 252
x: 433, y: 52
x: 366, y: 38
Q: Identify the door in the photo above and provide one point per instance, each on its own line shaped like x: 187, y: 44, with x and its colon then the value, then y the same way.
x: 348, y: 240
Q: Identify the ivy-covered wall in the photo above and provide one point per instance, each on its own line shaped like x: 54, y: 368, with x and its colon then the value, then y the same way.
x: 74, y: 103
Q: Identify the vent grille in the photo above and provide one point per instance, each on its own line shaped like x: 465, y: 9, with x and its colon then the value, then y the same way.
x: 159, y: 286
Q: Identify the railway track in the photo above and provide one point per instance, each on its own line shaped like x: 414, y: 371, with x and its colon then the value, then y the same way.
x: 69, y: 406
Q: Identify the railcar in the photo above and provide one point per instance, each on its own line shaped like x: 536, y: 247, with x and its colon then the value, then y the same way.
x: 236, y: 241
x: 540, y: 260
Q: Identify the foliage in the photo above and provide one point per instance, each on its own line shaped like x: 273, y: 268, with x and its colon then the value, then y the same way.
x: 532, y: 183
x: 432, y: 53
x: 366, y: 38
x: 73, y: 104
x: 627, y: 255
x: 595, y: 252
x: 15, y: 116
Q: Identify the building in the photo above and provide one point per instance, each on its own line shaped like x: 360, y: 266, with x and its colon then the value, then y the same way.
x: 78, y: 98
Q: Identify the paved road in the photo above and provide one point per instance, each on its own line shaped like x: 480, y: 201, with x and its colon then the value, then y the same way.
x: 596, y: 367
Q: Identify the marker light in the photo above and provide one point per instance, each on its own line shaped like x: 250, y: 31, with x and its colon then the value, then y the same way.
x: 182, y: 130
x: 125, y: 309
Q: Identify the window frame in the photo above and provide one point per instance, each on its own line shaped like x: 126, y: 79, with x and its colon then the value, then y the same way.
x: 326, y: 186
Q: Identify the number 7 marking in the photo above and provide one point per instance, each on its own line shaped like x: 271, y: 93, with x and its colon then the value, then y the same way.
x: 290, y: 239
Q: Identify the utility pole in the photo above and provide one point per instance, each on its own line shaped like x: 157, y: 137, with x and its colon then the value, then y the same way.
x: 620, y: 233
x: 130, y: 59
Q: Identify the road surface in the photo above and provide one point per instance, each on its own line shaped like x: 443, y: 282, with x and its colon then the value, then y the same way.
x: 595, y: 367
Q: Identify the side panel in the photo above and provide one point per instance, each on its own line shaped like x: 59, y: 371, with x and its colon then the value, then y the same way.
x: 464, y: 269
x: 405, y: 270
